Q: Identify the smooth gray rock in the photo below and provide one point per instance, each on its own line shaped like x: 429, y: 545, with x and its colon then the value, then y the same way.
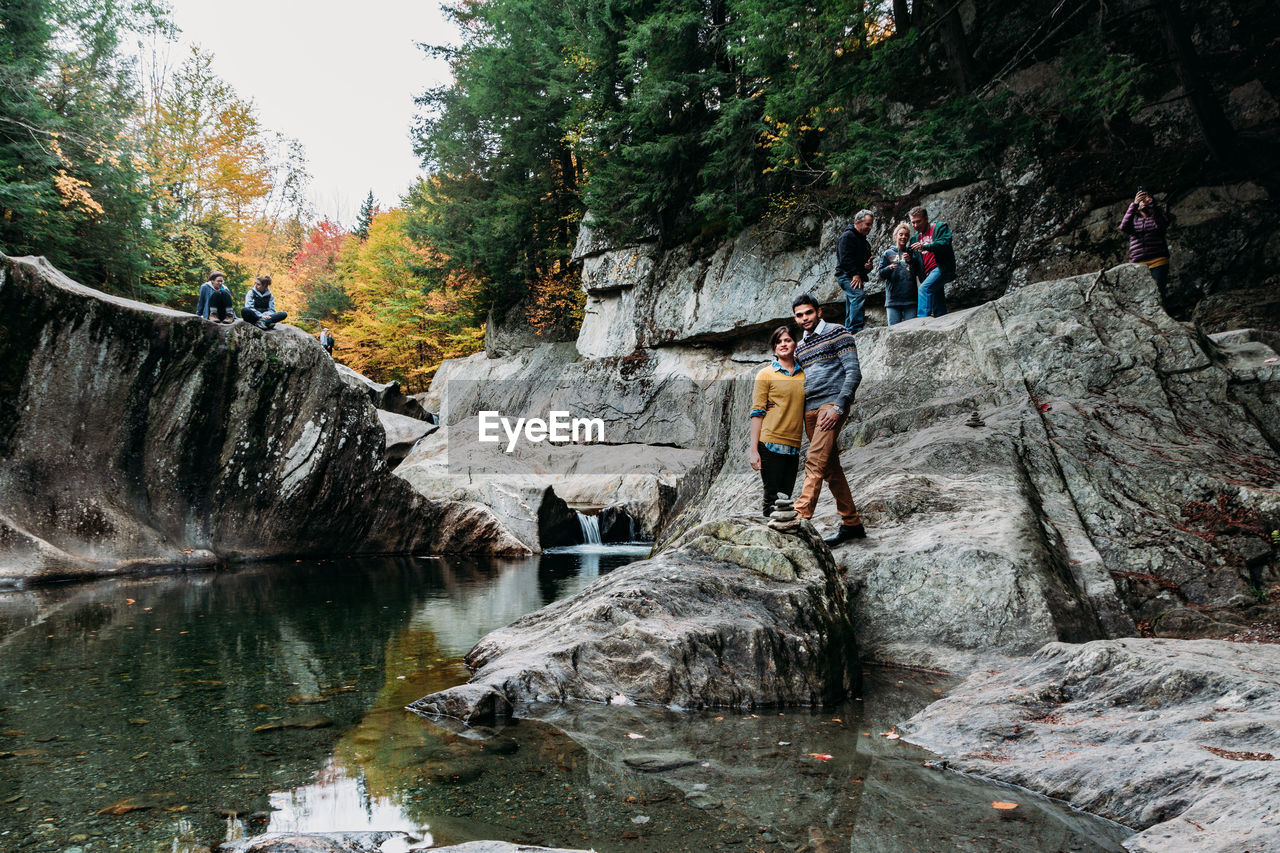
x: 402, y: 434
x: 1176, y: 738
x: 1124, y: 467
x: 385, y: 396
x: 733, y: 615
x: 135, y: 437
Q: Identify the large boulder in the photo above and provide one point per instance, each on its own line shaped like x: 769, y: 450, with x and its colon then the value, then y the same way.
x: 134, y: 436
x: 1176, y: 738
x: 734, y: 614
x: 1121, y: 469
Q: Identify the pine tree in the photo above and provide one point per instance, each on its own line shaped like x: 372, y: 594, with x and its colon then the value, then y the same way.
x: 368, y: 210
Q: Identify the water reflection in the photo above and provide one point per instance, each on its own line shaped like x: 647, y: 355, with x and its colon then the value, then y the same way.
x: 162, y: 714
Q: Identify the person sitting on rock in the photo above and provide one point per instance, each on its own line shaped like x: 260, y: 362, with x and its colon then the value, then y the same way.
x: 777, y: 419
x: 326, y: 341
x: 260, y: 305
x: 900, y: 270
x: 829, y: 358
x: 215, y: 296
x: 1146, y: 225
x: 853, y: 260
x: 937, y: 262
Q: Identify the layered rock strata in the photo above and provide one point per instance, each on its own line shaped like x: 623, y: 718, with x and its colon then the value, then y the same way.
x: 135, y: 436
x: 1178, y: 739
x: 733, y: 614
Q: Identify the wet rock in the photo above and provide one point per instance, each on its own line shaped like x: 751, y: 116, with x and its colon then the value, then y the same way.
x: 1241, y: 308
x: 1176, y: 738
x: 368, y: 842
x: 732, y: 614
x: 133, y: 436
x: 656, y: 762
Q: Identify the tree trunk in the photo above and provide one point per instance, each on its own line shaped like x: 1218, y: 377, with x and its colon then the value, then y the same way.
x: 901, y: 18
x: 957, y: 47
x: 1218, y: 134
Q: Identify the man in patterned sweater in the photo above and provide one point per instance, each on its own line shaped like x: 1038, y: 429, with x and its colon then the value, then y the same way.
x: 829, y: 358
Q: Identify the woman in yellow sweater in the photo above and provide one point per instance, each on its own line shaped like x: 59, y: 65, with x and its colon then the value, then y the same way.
x: 777, y: 419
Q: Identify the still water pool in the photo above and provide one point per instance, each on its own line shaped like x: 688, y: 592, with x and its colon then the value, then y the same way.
x: 173, y: 713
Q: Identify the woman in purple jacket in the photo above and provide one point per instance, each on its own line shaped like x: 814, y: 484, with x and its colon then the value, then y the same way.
x: 1146, y: 224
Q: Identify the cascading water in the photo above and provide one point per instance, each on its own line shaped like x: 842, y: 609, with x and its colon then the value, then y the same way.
x: 590, y: 525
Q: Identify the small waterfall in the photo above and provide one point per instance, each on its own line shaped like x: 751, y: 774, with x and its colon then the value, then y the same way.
x: 590, y: 525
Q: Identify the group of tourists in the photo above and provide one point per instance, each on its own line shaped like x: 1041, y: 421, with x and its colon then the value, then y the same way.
x: 259, y: 303
x: 915, y: 269
x: 808, y: 388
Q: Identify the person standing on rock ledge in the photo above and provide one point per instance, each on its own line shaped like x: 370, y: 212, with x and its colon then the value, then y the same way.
x: 326, y: 341
x: 900, y: 269
x: 853, y: 259
x: 777, y: 419
x: 829, y: 358
x: 260, y: 305
x: 1146, y: 224
x: 937, y: 260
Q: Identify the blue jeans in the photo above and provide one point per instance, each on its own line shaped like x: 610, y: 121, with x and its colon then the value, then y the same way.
x: 897, y: 315
x: 855, y: 315
x: 933, y: 296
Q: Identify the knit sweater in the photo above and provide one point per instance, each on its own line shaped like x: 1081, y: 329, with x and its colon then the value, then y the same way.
x: 829, y: 358
x: 778, y: 398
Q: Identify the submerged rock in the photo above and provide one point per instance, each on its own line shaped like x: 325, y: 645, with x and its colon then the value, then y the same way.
x: 369, y: 842
x: 733, y: 614
x: 1177, y: 738
x: 135, y: 436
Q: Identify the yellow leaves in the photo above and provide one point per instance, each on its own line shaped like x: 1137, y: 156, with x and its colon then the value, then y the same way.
x: 75, y: 192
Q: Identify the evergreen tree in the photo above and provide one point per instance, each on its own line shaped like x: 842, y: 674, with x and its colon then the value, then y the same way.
x: 364, y: 219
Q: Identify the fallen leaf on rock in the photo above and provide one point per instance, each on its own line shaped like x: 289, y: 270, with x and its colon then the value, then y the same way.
x: 1044, y: 407
x: 821, y: 756
x: 1240, y: 756
x: 891, y: 735
x: 123, y: 807
x: 784, y: 743
x: 1003, y: 806
x: 129, y: 601
x: 635, y: 736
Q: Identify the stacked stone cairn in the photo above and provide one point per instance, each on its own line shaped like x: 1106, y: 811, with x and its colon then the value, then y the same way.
x: 784, y: 516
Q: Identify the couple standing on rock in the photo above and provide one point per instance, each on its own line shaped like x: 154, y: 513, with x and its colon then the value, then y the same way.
x: 926, y: 257
x: 807, y: 390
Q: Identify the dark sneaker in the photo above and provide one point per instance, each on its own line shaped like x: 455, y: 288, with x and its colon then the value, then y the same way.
x: 844, y: 534
x: 262, y: 324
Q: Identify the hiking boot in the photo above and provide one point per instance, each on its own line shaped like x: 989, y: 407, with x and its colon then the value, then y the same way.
x: 845, y: 533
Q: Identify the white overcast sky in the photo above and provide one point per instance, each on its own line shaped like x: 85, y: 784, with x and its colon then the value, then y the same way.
x: 340, y: 78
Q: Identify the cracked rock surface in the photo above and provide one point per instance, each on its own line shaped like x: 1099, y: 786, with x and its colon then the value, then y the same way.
x: 1178, y: 739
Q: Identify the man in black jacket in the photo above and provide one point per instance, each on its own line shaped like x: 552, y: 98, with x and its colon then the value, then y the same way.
x: 853, y: 259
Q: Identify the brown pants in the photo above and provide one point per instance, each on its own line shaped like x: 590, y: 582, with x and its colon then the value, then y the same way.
x: 822, y: 462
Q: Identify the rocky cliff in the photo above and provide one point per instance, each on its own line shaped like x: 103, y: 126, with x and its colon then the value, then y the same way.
x: 1121, y: 474
x: 135, y: 436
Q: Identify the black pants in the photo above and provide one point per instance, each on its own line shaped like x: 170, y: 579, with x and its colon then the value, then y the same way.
x: 250, y: 317
x: 220, y: 303
x: 777, y: 473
